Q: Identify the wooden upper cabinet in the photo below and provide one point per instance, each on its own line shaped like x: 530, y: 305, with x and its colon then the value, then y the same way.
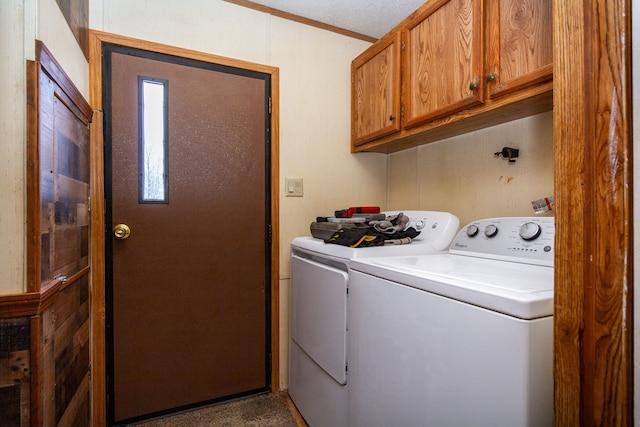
x: 443, y: 61
x: 520, y: 52
x: 375, y: 91
x: 452, y: 67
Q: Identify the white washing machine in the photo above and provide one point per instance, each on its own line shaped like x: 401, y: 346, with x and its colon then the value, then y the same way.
x: 463, y: 338
x: 320, y: 278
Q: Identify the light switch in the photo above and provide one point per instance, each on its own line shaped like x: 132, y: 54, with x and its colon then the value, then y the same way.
x: 293, y: 187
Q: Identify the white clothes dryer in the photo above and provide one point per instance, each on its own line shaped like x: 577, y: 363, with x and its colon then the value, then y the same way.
x: 320, y: 278
x: 456, y: 339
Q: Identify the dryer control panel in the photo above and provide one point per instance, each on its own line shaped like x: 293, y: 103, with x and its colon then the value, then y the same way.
x: 436, y: 228
x: 528, y: 240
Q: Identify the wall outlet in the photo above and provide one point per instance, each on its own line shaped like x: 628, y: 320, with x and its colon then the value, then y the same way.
x: 293, y: 187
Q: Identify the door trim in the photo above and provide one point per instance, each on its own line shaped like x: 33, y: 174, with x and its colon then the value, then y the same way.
x: 98, y: 302
x: 593, y: 162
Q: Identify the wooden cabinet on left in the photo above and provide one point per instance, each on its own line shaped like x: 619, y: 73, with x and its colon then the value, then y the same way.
x: 375, y: 90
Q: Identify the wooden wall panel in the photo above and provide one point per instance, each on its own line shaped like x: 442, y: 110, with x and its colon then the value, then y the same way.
x: 56, y: 309
x: 62, y: 341
x: 71, y: 351
x: 58, y: 174
x: 15, y: 372
x: 593, y: 362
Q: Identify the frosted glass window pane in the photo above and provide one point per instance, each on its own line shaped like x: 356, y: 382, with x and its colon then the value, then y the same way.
x: 153, y: 141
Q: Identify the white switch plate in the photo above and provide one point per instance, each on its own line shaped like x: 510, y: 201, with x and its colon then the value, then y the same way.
x: 293, y: 187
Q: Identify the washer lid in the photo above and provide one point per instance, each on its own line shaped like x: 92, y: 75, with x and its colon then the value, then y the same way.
x: 416, y: 247
x: 516, y: 289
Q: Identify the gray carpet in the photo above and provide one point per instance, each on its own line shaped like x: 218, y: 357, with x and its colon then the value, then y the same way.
x: 265, y: 410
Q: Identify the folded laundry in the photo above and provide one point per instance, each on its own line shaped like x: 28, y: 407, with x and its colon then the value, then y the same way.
x: 392, y: 224
x: 324, y: 230
x: 392, y: 229
x: 355, y: 238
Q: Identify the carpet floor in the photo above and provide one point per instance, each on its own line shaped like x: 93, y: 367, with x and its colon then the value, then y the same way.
x: 265, y: 410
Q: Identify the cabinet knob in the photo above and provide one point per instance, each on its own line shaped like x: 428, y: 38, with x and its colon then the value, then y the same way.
x: 473, y: 86
x: 491, y: 77
x: 392, y: 117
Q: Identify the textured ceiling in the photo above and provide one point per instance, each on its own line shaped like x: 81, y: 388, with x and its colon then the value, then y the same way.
x: 372, y: 18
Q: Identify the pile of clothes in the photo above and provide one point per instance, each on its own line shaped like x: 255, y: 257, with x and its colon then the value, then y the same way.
x: 392, y: 230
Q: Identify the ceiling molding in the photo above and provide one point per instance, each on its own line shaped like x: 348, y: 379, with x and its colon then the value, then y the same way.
x: 301, y: 19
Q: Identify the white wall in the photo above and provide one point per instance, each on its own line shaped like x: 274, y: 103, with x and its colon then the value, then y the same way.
x: 53, y: 30
x: 461, y: 174
x: 12, y: 152
x: 314, y: 103
x: 21, y: 23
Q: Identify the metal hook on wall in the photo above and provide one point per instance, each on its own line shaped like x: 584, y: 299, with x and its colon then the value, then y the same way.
x: 508, y: 153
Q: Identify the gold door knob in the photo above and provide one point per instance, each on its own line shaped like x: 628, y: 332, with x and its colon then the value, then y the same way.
x: 121, y: 231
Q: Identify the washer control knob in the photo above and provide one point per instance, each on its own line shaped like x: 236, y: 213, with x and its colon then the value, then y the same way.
x: 420, y: 224
x: 472, y: 230
x: 530, y: 231
x: 490, y: 230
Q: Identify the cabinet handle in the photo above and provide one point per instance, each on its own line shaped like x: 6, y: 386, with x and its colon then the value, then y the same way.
x: 491, y: 77
x: 392, y: 117
x: 473, y: 86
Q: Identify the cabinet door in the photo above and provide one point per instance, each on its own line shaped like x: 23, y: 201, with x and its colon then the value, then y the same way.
x: 520, y: 45
x: 443, y: 62
x: 375, y: 91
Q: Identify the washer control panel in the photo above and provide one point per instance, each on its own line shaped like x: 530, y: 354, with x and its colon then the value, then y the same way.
x: 527, y: 240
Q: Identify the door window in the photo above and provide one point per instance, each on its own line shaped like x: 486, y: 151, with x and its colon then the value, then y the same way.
x: 153, y: 178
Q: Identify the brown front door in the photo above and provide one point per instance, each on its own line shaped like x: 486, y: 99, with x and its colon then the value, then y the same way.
x: 187, y: 290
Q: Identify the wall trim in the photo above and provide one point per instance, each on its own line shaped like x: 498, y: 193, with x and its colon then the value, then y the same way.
x: 26, y: 304
x: 301, y: 19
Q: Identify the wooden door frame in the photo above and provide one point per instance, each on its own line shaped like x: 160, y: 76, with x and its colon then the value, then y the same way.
x: 98, y: 307
x: 593, y: 344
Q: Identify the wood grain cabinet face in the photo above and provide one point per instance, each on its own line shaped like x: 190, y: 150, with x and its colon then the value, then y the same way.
x: 58, y: 176
x: 520, y: 41
x: 463, y: 65
x: 443, y: 60
x: 375, y: 91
